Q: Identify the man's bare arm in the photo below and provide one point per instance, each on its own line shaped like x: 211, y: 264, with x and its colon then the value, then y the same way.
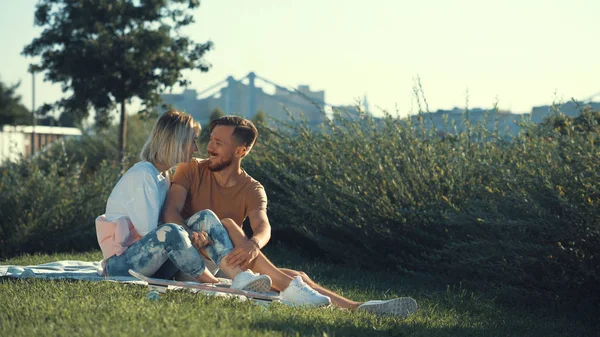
x: 261, y: 228
x: 174, y: 205
x: 172, y: 214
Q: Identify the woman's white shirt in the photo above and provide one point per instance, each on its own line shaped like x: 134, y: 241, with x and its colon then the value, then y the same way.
x: 139, y: 196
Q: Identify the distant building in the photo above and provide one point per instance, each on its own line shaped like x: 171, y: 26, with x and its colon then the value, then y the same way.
x: 246, y: 99
x: 503, y: 120
x: 16, y: 141
x: 571, y: 109
x: 506, y: 121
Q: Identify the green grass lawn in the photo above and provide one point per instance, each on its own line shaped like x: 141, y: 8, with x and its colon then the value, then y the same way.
x: 75, y: 308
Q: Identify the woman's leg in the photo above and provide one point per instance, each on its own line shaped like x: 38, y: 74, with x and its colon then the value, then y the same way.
x: 167, y: 271
x: 207, y: 221
x: 168, y: 242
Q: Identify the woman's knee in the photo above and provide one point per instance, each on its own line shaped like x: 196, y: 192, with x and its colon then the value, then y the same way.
x: 205, y: 220
x: 201, y: 219
x: 170, y: 227
x: 206, y: 215
x: 173, y: 234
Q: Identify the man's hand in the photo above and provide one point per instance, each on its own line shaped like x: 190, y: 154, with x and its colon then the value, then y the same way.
x: 241, y: 256
x: 200, y: 240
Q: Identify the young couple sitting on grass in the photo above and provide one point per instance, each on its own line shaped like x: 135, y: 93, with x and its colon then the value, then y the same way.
x: 203, y: 206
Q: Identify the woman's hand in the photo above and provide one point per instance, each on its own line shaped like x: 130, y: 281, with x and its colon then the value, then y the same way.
x: 200, y: 240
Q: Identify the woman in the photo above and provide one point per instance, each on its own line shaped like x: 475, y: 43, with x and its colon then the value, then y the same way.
x: 128, y: 233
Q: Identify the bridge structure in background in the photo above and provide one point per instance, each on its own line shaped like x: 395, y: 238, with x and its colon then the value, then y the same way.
x: 250, y: 94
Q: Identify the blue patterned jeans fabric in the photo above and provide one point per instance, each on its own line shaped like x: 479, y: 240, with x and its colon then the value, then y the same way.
x: 168, y: 248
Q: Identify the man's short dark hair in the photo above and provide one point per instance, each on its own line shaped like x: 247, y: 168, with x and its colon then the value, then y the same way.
x: 244, y: 130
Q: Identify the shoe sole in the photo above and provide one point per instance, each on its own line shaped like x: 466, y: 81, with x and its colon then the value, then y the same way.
x: 400, y: 307
x: 260, y: 285
x: 306, y: 305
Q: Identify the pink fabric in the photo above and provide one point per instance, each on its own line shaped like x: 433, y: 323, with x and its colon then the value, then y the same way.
x: 115, y: 237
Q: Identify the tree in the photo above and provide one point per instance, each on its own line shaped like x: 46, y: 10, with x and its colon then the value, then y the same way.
x: 260, y: 121
x: 12, y: 111
x: 205, y: 134
x: 260, y: 118
x: 104, y: 53
x: 216, y: 113
x: 49, y: 121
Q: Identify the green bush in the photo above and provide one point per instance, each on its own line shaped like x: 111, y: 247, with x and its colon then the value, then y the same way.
x: 519, y: 216
x: 49, y: 202
x: 471, y: 206
x: 53, y: 208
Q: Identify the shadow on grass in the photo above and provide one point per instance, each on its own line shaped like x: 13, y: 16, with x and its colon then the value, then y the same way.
x: 421, y: 326
x: 436, y: 298
x: 291, y: 327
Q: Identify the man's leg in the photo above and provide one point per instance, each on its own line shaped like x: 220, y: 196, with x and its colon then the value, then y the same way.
x: 336, y: 298
x: 261, y: 264
x: 281, y: 277
x: 401, y: 307
x: 208, y: 222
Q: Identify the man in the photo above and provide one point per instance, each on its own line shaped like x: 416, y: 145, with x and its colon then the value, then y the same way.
x: 221, y: 185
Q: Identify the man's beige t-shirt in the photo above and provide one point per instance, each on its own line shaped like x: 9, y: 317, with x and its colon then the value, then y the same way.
x: 204, y: 192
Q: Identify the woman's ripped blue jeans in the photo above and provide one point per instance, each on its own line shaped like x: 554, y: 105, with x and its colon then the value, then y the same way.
x: 168, y: 248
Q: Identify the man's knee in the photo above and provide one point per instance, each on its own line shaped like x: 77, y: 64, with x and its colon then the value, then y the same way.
x: 231, y: 226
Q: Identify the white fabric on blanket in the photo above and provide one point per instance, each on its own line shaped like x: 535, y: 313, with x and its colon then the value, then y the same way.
x: 78, y: 270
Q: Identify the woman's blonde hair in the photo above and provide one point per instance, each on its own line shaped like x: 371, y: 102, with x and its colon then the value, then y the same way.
x: 172, y: 139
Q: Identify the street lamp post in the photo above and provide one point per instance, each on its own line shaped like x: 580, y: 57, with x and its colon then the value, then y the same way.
x: 33, y: 120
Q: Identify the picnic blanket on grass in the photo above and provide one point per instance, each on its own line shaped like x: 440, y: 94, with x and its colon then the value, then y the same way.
x: 76, y: 270
x: 85, y: 271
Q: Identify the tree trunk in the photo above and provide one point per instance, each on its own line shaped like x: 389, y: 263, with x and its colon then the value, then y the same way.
x: 122, y: 132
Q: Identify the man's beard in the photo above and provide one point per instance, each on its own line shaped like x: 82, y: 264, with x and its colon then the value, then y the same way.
x: 220, y: 166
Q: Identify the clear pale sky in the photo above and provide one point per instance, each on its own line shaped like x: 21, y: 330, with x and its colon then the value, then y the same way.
x: 522, y: 53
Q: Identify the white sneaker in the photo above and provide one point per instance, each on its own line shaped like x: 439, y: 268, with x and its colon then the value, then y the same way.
x: 401, y: 307
x: 247, y: 280
x: 299, y: 293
